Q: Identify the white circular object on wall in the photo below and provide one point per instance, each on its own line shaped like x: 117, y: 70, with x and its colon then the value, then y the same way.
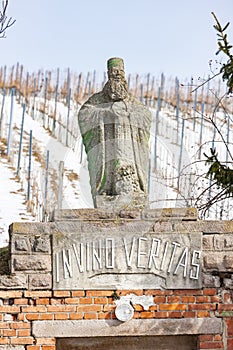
x: 124, y: 312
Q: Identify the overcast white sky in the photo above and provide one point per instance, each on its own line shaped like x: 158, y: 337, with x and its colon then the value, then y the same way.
x: 153, y: 36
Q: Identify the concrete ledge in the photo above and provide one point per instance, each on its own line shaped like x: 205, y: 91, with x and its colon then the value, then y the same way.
x: 107, y: 328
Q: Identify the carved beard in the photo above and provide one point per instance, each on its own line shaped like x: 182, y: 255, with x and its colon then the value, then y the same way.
x: 117, y: 89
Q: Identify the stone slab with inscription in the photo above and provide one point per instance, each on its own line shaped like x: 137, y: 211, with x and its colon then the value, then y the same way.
x: 115, y: 253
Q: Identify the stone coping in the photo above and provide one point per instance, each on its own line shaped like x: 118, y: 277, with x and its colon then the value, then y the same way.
x: 145, y: 214
x: 107, y: 328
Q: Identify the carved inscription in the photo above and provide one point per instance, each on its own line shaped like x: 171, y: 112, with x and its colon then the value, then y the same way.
x: 166, y: 259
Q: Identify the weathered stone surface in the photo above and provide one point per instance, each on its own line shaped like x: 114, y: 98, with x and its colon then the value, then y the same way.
x: 210, y: 281
x: 104, y: 328
x: 31, y: 263
x: 208, y: 242
x: 223, y: 242
x: 40, y: 281
x: 207, y: 227
x: 135, y: 214
x: 18, y: 281
x: 12, y: 347
x: 166, y: 213
x: 116, y: 256
x: 22, y: 245
x: 228, y: 282
x: 218, y: 261
x: 31, y: 227
x: 42, y: 244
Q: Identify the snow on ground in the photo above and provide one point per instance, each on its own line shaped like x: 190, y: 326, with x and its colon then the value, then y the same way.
x: 13, y: 207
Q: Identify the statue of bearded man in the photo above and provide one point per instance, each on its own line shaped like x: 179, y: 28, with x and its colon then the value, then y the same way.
x: 115, y: 128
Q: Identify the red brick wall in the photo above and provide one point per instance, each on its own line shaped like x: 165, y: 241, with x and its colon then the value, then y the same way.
x: 19, y: 308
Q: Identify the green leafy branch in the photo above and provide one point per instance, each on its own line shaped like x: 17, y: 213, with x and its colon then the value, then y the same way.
x: 221, y: 174
x: 225, y: 47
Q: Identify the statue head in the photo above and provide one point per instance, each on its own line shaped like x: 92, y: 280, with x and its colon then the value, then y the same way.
x: 116, y: 87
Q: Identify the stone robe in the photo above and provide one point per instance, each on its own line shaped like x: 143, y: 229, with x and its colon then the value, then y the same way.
x: 115, y: 135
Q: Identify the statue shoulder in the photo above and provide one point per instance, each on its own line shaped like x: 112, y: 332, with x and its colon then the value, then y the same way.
x: 95, y: 100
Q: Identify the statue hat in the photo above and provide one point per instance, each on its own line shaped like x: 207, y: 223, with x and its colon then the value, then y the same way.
x: 115, y: 62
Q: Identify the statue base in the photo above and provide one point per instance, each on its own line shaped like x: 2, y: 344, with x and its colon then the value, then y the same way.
x: 122, y: 202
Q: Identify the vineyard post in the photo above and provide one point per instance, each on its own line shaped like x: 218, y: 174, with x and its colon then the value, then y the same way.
x: 147, y: 87
x: 201, y: 128
x: 60, y: 184
x: 157, y: 128
x: 26, y: 87
x: 21, y: 139
x: 194, y: 110
x: 2, y: 109
x: 141, y: 93
x: 45, y: 99
x: 29, y: 166
x: 177, y: 107
x: 68, y: 86
x: 20, y: 82
x: 34, y: 99
x: 181, y: 151
x: 46, y: 185
x: 68, y: 117
x: 56, y: 98
x: 10, y: 123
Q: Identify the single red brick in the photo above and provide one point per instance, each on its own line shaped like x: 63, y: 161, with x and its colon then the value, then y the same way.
x: 46, y: 316
x: 99, y: 293
x: 230, y: 344
x: 205, y: 337
x: 147, y: 314
x: 189, y: 314
x: 77, y: 316
x: 211, y: 345
x: 126, y: 292
x: 159, y: 299
x: 63, y: 316
x: 42, y: 301
x: 210, y: 291
x: 38, y: 294
x: 90, y: 316
x: 188, y: 292
x: 188, y: 299
x: 85, y: 301
x: 175, y: 314
x: 61, y: 293
x: 101, y: 300
x: 78, y: 293
x: 229, y: 323
x: 203, y: 299
x: 45, y: 341
x: 217, y: 337
x: 173, y: 299
x: 215, y: 299
x: 22, y: 341
x: 202, y: 314
x: 172, y: 307
x: 225, y: 307
x: 161, y: 314
x: 158, y: 292
x: 24, y: 333
x: 193, y: 307
x: 106, y: 315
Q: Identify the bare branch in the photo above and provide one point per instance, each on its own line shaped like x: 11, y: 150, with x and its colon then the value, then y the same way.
x: 5, y: 22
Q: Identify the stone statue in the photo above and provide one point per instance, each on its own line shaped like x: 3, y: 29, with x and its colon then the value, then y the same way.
x: 115, y: 128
